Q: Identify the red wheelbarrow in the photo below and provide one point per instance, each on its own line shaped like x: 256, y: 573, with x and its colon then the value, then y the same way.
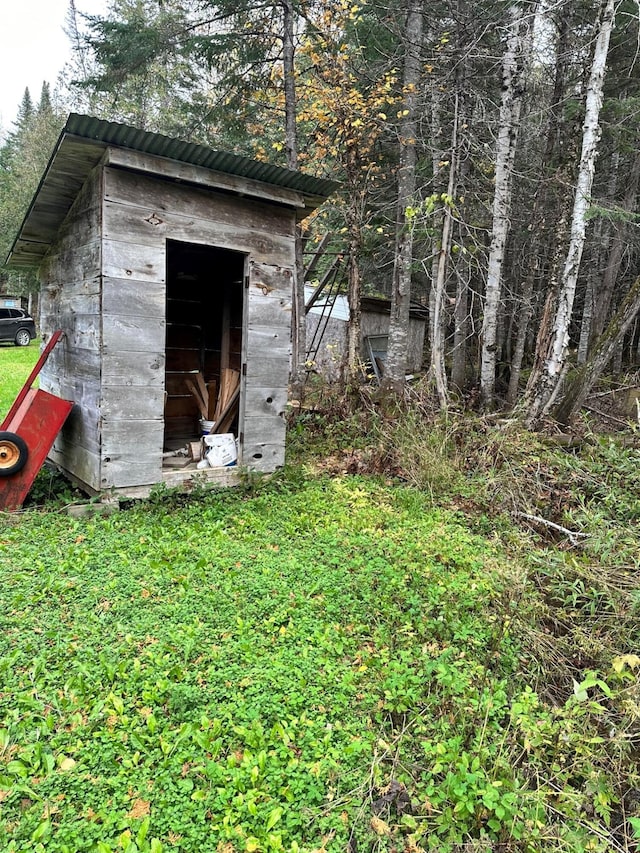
x: 27, y: 435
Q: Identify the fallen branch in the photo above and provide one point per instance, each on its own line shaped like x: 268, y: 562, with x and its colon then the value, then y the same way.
x: 607, y: 416
x: 572, y: 535
x: 613, y: 391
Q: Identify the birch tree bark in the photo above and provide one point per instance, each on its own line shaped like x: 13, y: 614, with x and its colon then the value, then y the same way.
x: 395, y: 367
x: 513, y: 78
x: 556, y: 353
x: 541, y: 241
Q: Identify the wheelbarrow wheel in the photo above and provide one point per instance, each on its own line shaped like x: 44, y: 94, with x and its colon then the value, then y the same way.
x: 13, y: 453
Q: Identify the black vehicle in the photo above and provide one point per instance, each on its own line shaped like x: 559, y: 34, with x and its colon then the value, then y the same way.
x: 16, y: 326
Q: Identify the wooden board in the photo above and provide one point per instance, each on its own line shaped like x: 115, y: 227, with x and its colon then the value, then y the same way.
x: 140, y: 441
x: 126, y: 221
x: 133, y: 261
x: 265, y: 401
x: 81, y: 464
x: 264, y: 371
x: 267, y: 342
x: 121, y: 402
x: 141, y: 298
x: 161, y: 198
x: 208, y: 177
x: 269, y: 281
x: 123, y: 333
x: 142, y: 369
x: 121, y: 473
x: 263, y: 457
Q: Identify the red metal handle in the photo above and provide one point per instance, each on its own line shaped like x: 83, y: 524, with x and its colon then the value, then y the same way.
x: 55, y: 337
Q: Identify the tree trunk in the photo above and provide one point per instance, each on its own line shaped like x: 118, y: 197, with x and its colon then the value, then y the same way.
x: 603, y: 351
x: 551, y: 171
x: 555, y: 355
x: 461, y: 319
x: 355, y: 309
x: 587, y: 317
x: 619, y: 246
x: 441, y: 263
x: 299, y: 318
x: 395, y: 367
x: 513, y: 67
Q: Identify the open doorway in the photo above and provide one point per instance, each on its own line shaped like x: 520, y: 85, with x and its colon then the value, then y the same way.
x: 204, y: 314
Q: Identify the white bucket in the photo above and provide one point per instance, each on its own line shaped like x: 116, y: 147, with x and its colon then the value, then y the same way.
x: 206, y: 426
x: 222, y: 450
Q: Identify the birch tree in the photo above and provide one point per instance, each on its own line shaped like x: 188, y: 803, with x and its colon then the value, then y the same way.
x: 543, y: 385
x: 514, y: 65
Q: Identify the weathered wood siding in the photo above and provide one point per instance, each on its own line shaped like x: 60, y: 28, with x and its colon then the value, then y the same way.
x: 267, y: 354
x: 378, y: 324
x: 70, y: 301
x: 331, y: 352
x: 140, y: 213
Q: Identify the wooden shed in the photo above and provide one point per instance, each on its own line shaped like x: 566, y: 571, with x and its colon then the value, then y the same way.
x: 162, y: 261
x: 327, y: 322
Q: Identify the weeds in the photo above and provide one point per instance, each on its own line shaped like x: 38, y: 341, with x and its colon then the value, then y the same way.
x: 576, y: 617
x: 331, y: 663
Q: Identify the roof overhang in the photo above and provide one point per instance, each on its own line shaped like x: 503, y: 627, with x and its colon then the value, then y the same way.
x: 84, y: 142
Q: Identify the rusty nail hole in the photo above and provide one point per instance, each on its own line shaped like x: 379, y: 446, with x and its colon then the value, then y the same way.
x: 269, y: 399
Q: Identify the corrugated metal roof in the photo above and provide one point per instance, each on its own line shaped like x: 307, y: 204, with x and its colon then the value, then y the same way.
x: 113, y: 133
x: 80, y: 148
x: 336, y: 307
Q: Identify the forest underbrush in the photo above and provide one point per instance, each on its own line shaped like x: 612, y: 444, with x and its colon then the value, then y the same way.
x: 567, y: 509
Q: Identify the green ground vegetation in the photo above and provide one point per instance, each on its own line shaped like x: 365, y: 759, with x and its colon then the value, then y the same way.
x: 377, y: 650
x: 16, y: 363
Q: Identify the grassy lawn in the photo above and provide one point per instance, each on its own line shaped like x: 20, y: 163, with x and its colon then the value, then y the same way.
x: 15, y: 365
x: 329, y: 664
x: 326, y: 663
x: 227, y: 670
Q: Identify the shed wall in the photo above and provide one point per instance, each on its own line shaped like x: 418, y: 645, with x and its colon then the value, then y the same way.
x: 140, y: 214
x: 70, y: 301
x: 266, y: 360
x: 334, y: 341
x: 378, y: 324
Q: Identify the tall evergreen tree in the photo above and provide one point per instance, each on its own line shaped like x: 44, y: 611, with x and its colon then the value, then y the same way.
x: 23, y: 158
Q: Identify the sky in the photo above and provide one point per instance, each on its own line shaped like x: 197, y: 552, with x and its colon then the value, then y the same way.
x: 33, y: 48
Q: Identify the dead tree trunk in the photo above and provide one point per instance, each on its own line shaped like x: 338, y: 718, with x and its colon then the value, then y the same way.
x: 542, y: 236
x: 604, y: 294
x: 461, y: 322
x: 355, y: 308
x: 441, y: 264
x: 603, y: 351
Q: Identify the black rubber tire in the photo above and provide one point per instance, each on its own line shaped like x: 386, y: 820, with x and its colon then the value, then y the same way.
x: 23, y: 338
x: 13, y: 453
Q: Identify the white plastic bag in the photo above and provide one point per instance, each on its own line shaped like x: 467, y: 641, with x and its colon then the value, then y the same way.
x: 222, y: 450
